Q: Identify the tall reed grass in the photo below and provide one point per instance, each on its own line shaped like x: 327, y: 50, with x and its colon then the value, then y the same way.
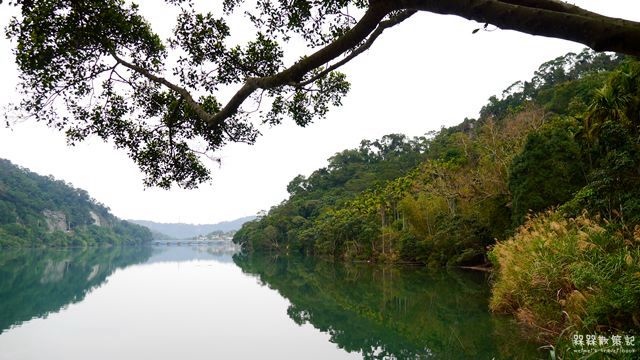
x: 560, y: 276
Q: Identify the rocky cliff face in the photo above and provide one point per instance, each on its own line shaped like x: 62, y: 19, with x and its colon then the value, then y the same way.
x: 56, y: 220
x: 96, y: 219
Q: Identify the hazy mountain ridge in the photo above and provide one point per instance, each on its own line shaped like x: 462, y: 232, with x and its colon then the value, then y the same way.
x: 186, y: 231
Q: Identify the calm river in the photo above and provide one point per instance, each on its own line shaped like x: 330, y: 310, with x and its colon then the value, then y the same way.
x: 200, y: 303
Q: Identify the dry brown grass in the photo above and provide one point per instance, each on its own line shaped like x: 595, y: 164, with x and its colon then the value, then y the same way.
x: 556, y: 273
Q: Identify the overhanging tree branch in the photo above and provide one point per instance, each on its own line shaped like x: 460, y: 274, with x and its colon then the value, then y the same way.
x: 162, y: 81
x: 395, y: 20
x: 367, y: 24
x: 58, y: 43
x: 542, y: 17
x: 538, y: 17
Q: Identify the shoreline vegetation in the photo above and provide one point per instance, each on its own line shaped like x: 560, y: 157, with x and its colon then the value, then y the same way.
x: 544, y: 187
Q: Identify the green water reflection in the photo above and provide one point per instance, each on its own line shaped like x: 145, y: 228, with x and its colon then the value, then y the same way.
x: 387, y: 312
x: 373, y: 311
x: 35, y: 283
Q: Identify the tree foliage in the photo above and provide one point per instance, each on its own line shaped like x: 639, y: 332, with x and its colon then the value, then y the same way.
x: 348, y: 173
x: 30, y: 204
x: 548, y: 171
x: 472, y: 183
x: 97, y: 68
x: 547, y: 192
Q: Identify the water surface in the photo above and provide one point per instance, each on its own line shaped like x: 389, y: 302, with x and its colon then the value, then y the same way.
x: 198, y: 303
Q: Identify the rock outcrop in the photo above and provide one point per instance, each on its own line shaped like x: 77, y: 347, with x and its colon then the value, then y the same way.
x: 56, y: 220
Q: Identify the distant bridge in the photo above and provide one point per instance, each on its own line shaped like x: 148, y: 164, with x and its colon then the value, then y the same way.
x: 195, y: 242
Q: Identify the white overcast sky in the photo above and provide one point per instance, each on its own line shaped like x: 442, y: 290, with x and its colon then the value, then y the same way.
x: 426, y: 73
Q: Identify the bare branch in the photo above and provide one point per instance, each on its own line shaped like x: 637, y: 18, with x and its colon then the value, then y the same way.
x: 541, y: 17
x: 367, y: 24
x: 160, y: 80
x: 364, y: 47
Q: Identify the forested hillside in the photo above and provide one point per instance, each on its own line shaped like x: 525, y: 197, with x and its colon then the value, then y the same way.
x: 545, y: 183
x: 39, y: 210
x: 442, y: 199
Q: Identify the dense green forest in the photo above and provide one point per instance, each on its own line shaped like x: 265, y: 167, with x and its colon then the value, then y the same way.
x: 544, y: 186
x: 42, y: 211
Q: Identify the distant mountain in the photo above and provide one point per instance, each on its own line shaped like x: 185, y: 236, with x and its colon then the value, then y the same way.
x: 159, y: 236
x: 38, y: 210
x: 187, y: 231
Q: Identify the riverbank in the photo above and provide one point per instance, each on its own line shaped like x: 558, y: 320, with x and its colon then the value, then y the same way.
x: 566, y: 277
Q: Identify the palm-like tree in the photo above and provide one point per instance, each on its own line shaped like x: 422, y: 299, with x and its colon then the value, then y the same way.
x: 615, y: 101
x: 609, y: 103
